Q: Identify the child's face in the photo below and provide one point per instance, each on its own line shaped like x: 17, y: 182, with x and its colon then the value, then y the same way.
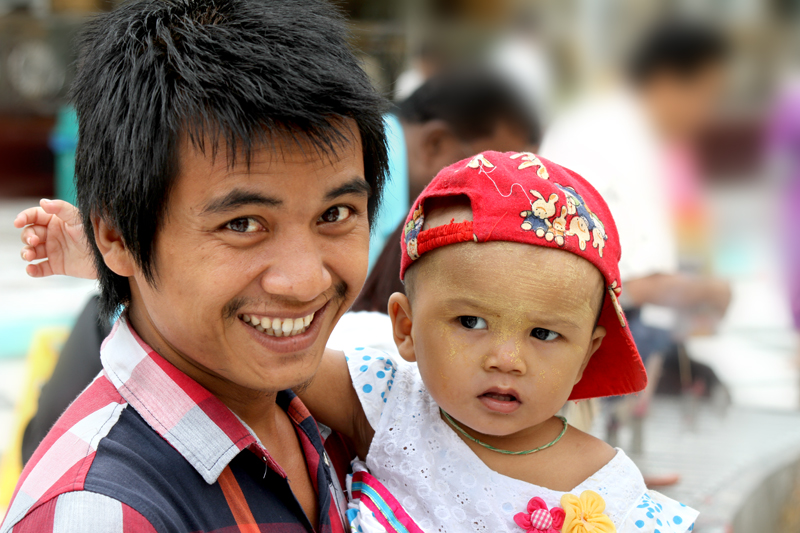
x: 501, y: 331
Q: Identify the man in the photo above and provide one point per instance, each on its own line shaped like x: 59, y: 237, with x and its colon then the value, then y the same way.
x: 454, y: 114
x: 230, y: 160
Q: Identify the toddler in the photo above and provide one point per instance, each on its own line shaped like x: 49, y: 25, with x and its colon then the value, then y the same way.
x: 511, y: 276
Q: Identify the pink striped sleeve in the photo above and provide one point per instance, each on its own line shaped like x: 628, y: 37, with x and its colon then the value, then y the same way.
x: 39, y: 521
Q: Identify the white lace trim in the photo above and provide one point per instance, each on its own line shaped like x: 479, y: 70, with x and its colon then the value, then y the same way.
x: 439, y: 480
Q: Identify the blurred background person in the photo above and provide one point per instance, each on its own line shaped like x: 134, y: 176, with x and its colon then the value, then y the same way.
x: 784, y: 147
x: 521, y: 55
x: 426, y: 63
x: 635, y: 144
x: 454, y: 114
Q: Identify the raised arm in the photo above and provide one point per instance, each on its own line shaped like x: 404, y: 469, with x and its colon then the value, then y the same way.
x: 54, y: 233
x: 331, y: 399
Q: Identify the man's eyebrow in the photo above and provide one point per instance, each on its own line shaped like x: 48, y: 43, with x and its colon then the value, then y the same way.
x: 357, y: 186
x: 236, y: 199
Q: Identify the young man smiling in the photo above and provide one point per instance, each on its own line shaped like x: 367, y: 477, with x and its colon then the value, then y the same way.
x: 231, y: 156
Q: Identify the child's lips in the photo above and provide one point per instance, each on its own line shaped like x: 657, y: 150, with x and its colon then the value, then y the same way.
x: 505, y: 401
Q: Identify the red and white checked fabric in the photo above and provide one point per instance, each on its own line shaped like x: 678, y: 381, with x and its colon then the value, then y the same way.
x: 541, y: 519
x: 50, y: 494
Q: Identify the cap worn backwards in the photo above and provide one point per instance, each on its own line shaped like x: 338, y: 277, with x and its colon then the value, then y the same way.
x: 520, y: 197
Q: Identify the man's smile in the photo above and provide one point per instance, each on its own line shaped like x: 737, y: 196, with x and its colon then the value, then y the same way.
x: 285, y: 334
x: 278, y: 327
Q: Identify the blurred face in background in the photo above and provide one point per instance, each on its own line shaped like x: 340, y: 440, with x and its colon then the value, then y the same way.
x: 682, y: 105
x: 432, y: 146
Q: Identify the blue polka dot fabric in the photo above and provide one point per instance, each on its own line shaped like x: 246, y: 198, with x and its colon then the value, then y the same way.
x: 656, y: 513
x: 373, y: 373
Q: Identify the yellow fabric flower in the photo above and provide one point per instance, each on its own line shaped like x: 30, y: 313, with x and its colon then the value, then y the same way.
x: 585, y: 514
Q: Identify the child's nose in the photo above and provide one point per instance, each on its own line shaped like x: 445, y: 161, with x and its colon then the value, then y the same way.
x: 506, y: 358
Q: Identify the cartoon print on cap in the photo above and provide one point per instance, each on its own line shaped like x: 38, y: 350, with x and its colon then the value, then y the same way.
x: 411, y: 231
x: 579, y: 227
x: 541, y: 210
x: 587, y: 225
x: 575, y: 219
x: 614, y: 290
x: 572, y: 198
x: 530, y: 160
x: 558, y: 229
x: 480, y: 161
x: 599, y: 234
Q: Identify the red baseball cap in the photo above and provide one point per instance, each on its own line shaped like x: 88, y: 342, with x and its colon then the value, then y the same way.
x: 520, y: 197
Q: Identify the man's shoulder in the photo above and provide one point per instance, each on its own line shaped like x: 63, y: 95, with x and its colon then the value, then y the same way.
x: 78, y: 511
x: 63, y: 459
x: 100, y: 451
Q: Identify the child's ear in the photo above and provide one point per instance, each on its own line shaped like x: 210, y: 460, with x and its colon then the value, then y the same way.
x: 400, y: 313
x: 112, y: 247
x: 597, y: 339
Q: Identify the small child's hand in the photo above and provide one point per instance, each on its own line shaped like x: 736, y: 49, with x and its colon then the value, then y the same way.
x: 54, y: 232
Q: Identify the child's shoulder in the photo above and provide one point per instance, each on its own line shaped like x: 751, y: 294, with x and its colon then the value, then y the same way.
x: 614, y: 477
x: 581, y: 456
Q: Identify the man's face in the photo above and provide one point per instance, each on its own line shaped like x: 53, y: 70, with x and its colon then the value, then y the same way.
x: 254, y: 266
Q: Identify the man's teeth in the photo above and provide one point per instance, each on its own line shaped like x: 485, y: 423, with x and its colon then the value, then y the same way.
x: 279, y: 327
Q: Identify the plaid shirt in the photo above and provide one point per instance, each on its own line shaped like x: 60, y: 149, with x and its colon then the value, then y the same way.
x: 145, y: 448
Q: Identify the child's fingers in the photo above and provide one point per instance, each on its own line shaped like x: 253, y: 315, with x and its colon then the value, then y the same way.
x: 63, y: 210
x: 33, y: 235
x: 39, y: 270
x: 32, y: 253
x: 32, y: 215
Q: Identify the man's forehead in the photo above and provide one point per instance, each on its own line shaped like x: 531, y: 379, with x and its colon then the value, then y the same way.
x: 206, y: 175
x: 276, y: 151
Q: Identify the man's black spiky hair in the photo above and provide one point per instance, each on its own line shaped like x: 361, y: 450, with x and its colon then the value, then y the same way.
x: 236, y: 72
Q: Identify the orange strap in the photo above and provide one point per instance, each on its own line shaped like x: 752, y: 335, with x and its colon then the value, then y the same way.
x: 237, y: 503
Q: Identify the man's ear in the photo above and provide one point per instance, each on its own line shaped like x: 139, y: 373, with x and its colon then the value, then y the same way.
x: 400, y: 313
x: 112, y: 248
x: 597, y: 339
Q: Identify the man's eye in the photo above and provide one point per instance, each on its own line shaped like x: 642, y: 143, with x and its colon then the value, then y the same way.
x: 339, y: 213
x: 472, y: 322
x: 243, y: 225
x: 544, y: 334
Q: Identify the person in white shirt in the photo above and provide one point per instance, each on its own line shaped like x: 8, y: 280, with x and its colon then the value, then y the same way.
x: 620, y: 141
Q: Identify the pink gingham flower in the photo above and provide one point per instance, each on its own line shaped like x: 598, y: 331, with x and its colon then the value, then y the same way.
x: 539, y: 519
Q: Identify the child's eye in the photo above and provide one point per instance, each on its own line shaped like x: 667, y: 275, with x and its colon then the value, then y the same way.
x: 472, y: 322
x: 544, y: 334
x: 339, y: 213
x: 243, y: 225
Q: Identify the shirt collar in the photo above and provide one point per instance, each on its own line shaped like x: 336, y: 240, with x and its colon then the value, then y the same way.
x: 195, y: 422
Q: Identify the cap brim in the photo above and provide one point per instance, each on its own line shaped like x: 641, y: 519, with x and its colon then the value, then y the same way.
x: 616, y: 367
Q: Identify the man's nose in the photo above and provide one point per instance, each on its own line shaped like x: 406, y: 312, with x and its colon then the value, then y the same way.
x: 297, y: 269
x: 507, y: 358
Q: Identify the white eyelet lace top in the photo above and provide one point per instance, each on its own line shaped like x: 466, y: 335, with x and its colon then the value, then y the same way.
x: 445, y: 487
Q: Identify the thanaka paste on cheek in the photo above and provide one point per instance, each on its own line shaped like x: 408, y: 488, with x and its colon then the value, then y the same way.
x: 515, y: 288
